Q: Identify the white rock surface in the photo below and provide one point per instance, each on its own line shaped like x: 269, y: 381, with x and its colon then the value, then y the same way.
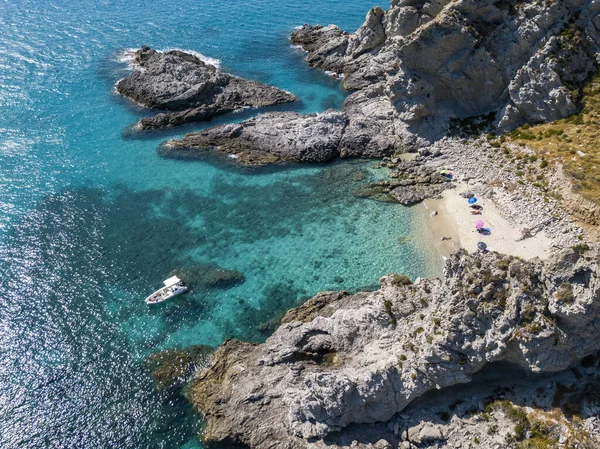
x: 342, y: 360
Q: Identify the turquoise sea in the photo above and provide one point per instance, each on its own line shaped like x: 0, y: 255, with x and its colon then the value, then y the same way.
x: 92, y: 220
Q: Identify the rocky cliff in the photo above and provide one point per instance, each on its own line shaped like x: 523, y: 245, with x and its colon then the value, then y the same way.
x: 341, y: 360
x: 344, y: 361
x: 422, y: 66
x: 189, y: 89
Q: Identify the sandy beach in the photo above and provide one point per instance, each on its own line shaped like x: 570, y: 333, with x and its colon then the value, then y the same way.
x: 454, y: 226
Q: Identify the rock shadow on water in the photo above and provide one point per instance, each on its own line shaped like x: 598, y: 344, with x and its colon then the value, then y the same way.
x: 227, y: 162
x: 133, y: 132
x: 258, y: 323
x: 208, y: 276
x: 331, y: 102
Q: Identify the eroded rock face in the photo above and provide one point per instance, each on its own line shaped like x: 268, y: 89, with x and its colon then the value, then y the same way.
x: 190, y: 89
x: 345, y: 359
x: 363, y: 129
x: 268, y: 138
x: 422, y: 65
x: 439, y: 59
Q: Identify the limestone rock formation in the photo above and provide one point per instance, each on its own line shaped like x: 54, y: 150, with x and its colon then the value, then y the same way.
x: 189, y: 89
x: 268, y: 138
x: 341, y: 360
x: 423, y: 65
x: 441, y: 60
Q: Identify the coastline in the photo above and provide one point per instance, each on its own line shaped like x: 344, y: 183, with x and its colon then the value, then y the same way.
x: 341, y: 359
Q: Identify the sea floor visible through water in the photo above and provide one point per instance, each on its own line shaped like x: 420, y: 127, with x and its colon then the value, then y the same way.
x: 92, y: 219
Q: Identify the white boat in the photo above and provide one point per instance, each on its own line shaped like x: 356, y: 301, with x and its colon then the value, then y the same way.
x: 173, y: 287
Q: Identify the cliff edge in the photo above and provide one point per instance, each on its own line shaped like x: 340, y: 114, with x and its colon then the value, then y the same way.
x: 340, y: 360
x: 422, y: 67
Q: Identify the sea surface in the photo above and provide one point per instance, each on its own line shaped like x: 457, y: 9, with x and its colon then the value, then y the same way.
x: 92, y: 219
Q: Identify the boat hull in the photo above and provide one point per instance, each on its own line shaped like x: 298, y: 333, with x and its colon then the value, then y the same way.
x: 165, y: 293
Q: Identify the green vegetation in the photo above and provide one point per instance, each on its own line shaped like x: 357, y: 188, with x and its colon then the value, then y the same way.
x: 472, y: 126
x: 565, y: 293
x: 399, y: 280
x: 581, y: 247
x: 388, y: 309
x: 529, y: 433
x: 328, y: 360
x: 573, y: 142
x: 541, y: 437
x: 516, y: 414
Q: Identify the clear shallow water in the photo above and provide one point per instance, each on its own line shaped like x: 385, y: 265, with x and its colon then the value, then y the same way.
x: 92, y: 221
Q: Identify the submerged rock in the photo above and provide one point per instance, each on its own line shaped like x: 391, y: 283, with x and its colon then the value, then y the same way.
x: 411, y: 182
x: 171, y: 369
x: 190, y: 89
x: 209, y: 275
x: 342, y: 360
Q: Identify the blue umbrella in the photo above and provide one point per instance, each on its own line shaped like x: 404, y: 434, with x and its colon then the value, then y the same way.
x: 472, y: 200
x: 482, y: 246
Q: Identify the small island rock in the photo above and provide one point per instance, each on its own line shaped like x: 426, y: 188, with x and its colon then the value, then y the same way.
x: 189, y: 89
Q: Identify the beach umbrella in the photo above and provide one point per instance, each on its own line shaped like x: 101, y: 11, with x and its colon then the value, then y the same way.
x: 479, y: 224
x: 472, y: 200
x: 482, y: 246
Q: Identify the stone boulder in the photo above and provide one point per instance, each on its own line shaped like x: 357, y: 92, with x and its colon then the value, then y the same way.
x: 190, y: 89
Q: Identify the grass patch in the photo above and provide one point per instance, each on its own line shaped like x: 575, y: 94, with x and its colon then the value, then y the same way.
x: 573, y: 142
x: 399, y: 280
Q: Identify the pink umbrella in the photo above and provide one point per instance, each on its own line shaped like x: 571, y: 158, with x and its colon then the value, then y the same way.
x: 479, y: 224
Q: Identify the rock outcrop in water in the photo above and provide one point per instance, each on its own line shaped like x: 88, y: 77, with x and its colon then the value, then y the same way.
x: 423, y: 65
x: 341, y: 360
x: 209, y: 275
x: 190, y: 90
x: 268, y: 138
x: 172, y: 369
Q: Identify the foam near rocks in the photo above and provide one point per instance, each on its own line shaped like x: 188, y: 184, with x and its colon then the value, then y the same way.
x: 202, y: 57
x: 202, y: 94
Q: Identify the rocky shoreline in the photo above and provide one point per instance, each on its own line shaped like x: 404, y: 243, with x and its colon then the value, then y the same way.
x: 190, y: 90
x: 361, y: 370
x: 422, y: 68
x: 341, y: 359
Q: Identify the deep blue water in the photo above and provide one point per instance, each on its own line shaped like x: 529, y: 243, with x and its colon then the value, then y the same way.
x: 91, y: 220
